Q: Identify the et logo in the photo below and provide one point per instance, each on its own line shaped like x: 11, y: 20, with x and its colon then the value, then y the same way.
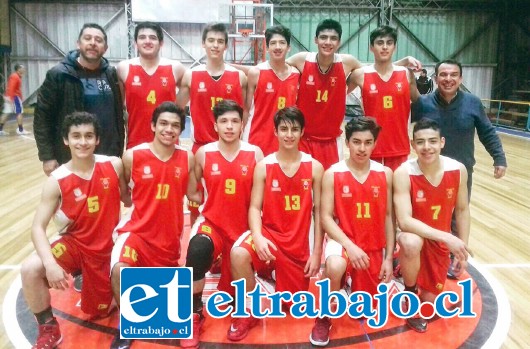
x: 156, y: 303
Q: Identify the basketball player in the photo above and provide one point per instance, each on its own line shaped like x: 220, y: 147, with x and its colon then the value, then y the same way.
x: 146, y: 81
x: 285, y: 195
x: 226, y: 168
x: 356, y: 213
x: 426, y: 192
x: 387, y: 90
x: 84, y: 196
x: 322, y: 91
x: 205, y: 85
x: 272, y: 85
x: 159, y: 174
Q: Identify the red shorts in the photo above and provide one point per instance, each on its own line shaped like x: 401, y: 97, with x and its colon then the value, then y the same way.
x: 434, y: 264
x: 393, y: 162
x: 221, y: 246
x: 361, y: 280
x: 131, y: 249
x: 290, y: 274
x: 193, y: 207
x: 327, y: 152
x: 97, y: 295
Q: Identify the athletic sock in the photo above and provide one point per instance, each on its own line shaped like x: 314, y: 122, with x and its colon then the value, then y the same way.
x: 413, y: 289
x: 44, y: 316
x: 197, y: 302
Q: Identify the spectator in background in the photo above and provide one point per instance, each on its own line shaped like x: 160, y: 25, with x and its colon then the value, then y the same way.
x: 13, y: 100
x: 424, y: 83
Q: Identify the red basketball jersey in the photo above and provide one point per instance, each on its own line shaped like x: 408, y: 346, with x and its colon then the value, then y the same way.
x: 389, y: 103
x: 227, y: 187
x: 360, y: 208
x: 205, y: 93
x: 288, y: 206
x: 322, y: 98
x: 143, y: 93
x: 158, y: 188
x: 90, y: 208
x: 434, y: 205
x: 271, y: 95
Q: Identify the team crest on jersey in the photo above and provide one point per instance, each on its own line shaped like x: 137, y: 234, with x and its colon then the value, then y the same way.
x: 310, y: 80
x: 399, y: 86
x: 306, y: 184
x: 105, y: 182
x: 215, y: 169
x: 346, y: 192
x: 375, y: 191
x: 373, y: 88
x: 136, y: 81
x: 164, y: 81
x: 202, y: 87
x: 276, y: 185
x: 147, y: 172
x: 333, y: 80
x: 228, y: 88
x: 79, y: 194
x: 269, y: 88
x: 450, y: 193
x: 420, y: 196
x: 178, y: 172
x: 244, y: 170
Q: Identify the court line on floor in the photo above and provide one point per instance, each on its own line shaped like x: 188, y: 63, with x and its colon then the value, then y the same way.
x: 9, y: 267
x: 506, y: 266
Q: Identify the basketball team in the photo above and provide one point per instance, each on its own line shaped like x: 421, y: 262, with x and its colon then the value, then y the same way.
x: 268, y: 187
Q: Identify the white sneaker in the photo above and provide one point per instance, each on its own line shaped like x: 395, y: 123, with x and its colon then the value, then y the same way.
x: 23, y: 132
x: 4, y: 133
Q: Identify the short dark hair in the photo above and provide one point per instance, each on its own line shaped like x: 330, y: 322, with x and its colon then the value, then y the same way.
x: 424, y: 70
x: 329, y: 24
x: 79, y: 118
x: 289, y: 115
x: 280, y: 30
x: 18, y: 66
x: 95, y: 26
x: 448, y: 61
x: 360, y: 124
x: 225, y: 106
x: 384, y: 30
x: 169, y: 107
x: 215, y: 27
x: 425, y: 124
x: 149, y: 25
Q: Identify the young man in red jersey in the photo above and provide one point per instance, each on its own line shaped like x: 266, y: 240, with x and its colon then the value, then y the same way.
x: 427, y: 191
x: 285, y: 199
x: 226, y: 168
x: 84, y: 195
x: 146, y: 81
x: 159, y: 174
x: 356, y: 213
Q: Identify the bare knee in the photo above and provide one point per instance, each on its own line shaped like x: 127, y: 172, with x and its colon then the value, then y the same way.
x: 410, y: 244
x: 32, y: 269
x: 335, y: 267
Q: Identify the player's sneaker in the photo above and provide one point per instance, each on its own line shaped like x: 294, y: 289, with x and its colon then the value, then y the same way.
x: 120, y: 343
x: 416, y: 322
x: 78, y: 282
x: 23, y: 132
x: 239, y: 328
x: 49, y: 335
x: 4, y: 133
x: 193, y: 342
x: 320, y: 333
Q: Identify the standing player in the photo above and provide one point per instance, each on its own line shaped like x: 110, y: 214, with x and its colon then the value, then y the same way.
x: 226, y: 168
x: 356, y: 213
x: 272, y: 85
x: 13, y: 101
x: 159, y: 174
x: 206, y: 85
x: 426, y: 192
x: 285, y: 195
x: 387, y: 90
x: 84, y: 195
x: 146, y: 81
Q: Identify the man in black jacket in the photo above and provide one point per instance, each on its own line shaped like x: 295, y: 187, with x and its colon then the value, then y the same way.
x: 83, y: 81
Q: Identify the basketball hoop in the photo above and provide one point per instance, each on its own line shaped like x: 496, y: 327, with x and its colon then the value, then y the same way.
x: 245, y: 32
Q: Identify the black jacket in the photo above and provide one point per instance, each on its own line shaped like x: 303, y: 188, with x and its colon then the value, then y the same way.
x: 62, y: 93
